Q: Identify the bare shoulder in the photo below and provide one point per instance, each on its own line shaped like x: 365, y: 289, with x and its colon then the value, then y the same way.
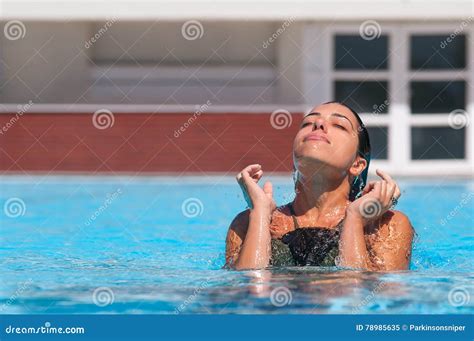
x: 390, y: 242
x: 397, y: 220
x: 240, y: 223
x: 395, y: 223
x: 235, y: 236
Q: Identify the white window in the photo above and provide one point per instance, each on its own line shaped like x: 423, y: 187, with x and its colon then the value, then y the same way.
x: 414, y: 88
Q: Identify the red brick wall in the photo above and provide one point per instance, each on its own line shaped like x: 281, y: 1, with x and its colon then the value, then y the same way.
x: 144, y: 143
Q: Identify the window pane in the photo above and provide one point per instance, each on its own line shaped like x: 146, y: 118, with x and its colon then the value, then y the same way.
x: 378, y: 142
x: 354, y: 53
x: 434, y: 52
x: 437, y: 143
x: 437, y: 97
x: 363, y: 97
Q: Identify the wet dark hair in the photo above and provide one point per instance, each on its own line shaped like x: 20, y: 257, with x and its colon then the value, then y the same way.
x: 363, y: 150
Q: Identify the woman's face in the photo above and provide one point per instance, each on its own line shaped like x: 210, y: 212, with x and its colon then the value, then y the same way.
x: 328, y: 135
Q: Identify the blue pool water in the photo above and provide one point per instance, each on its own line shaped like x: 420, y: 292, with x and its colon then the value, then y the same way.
x: 79, y: 244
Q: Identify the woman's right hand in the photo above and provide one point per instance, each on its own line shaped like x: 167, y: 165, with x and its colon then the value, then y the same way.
x: 256, y: 197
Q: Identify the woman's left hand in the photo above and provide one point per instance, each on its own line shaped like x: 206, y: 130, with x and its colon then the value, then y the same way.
x: 377, y: 198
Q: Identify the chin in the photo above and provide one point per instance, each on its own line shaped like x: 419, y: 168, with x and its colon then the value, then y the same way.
x: 313, y: 159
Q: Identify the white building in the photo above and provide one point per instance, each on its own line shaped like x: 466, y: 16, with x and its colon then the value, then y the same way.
x: 407, y: 66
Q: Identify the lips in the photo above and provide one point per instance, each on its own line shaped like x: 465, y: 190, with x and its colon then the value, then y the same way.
x: 316, y: 137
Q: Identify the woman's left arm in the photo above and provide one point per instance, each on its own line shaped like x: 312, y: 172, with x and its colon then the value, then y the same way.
x: 352, y: 247
x: 393, y: 248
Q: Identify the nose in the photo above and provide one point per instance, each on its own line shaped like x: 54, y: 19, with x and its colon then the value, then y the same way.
x: 319, y: 124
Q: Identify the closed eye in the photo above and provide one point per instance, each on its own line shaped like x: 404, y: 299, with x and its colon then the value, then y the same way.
x: 340, y: 126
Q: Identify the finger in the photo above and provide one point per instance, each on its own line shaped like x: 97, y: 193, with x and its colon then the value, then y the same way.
x: 246, y: 178
x: 383, y: 191
x: 253, y: 166
x: 377, y: 188
x: 384, y: 175
x: 255, y: 172
x: 391, y: 183
x: 268, y: 189
x: 257, y: 175
x: 391, y: 193
x: 368, y: 187
x: 253, y: 169
x: 249, y: 169
x: 397, y: 194
x: 391, y: 186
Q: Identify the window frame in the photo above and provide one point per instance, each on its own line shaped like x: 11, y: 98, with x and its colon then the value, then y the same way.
x: 399, y: 120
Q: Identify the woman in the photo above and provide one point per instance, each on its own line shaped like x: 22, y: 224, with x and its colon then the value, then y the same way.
x: 335, y: 219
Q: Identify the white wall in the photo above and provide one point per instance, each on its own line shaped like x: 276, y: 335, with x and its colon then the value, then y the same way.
x: 237, y: 9
x: 163, y: 42
x: 46, y: 65
x: 149, y: 63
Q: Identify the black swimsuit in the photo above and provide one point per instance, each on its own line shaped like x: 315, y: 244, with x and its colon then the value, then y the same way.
x: 315, y: 246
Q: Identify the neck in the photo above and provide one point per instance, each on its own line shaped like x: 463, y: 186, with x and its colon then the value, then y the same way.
x: 320, y: 198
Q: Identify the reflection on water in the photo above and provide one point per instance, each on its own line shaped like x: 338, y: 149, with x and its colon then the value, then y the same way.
x: 312, y: 290
x: 296, y: 290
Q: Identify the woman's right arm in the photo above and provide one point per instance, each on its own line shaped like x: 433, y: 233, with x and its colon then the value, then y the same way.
x: 248, y: 242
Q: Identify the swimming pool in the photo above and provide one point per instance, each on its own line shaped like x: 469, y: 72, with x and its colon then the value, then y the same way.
x: 109, y: 244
